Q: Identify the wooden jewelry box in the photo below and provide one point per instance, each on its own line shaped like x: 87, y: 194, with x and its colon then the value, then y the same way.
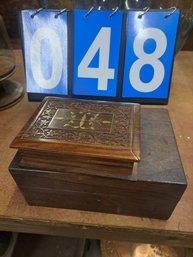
x: 86, y: 155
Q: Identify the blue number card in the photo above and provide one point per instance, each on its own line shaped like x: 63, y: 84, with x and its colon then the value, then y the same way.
x: 97, y: 40
x: 125, y: 56
x: 150, y: 45
x: 45, y: 51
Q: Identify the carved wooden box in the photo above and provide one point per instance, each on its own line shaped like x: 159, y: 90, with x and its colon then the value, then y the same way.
x: 92, y: 181
x: 81, y: 134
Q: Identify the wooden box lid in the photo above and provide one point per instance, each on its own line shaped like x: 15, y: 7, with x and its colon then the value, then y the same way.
x: 86, y: 128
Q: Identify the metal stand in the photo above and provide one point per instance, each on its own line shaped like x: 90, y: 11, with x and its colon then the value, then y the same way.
x: 11, y: 92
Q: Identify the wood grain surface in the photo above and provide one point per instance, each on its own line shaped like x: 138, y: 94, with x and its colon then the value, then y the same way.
x: 17, y: 215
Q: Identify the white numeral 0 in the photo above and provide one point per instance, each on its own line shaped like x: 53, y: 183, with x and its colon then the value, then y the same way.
x: 151, y: 59
x: 35, y: 57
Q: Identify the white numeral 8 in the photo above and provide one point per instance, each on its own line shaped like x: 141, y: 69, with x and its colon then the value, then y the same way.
x: 148, y: 58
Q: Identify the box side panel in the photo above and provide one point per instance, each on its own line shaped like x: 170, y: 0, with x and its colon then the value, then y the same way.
x: 144, y: 199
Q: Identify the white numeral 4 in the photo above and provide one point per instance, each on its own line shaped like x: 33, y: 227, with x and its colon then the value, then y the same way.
x: 103, y: 73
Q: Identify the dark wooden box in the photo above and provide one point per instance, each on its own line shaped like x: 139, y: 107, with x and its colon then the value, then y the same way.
x: 153, y: 190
